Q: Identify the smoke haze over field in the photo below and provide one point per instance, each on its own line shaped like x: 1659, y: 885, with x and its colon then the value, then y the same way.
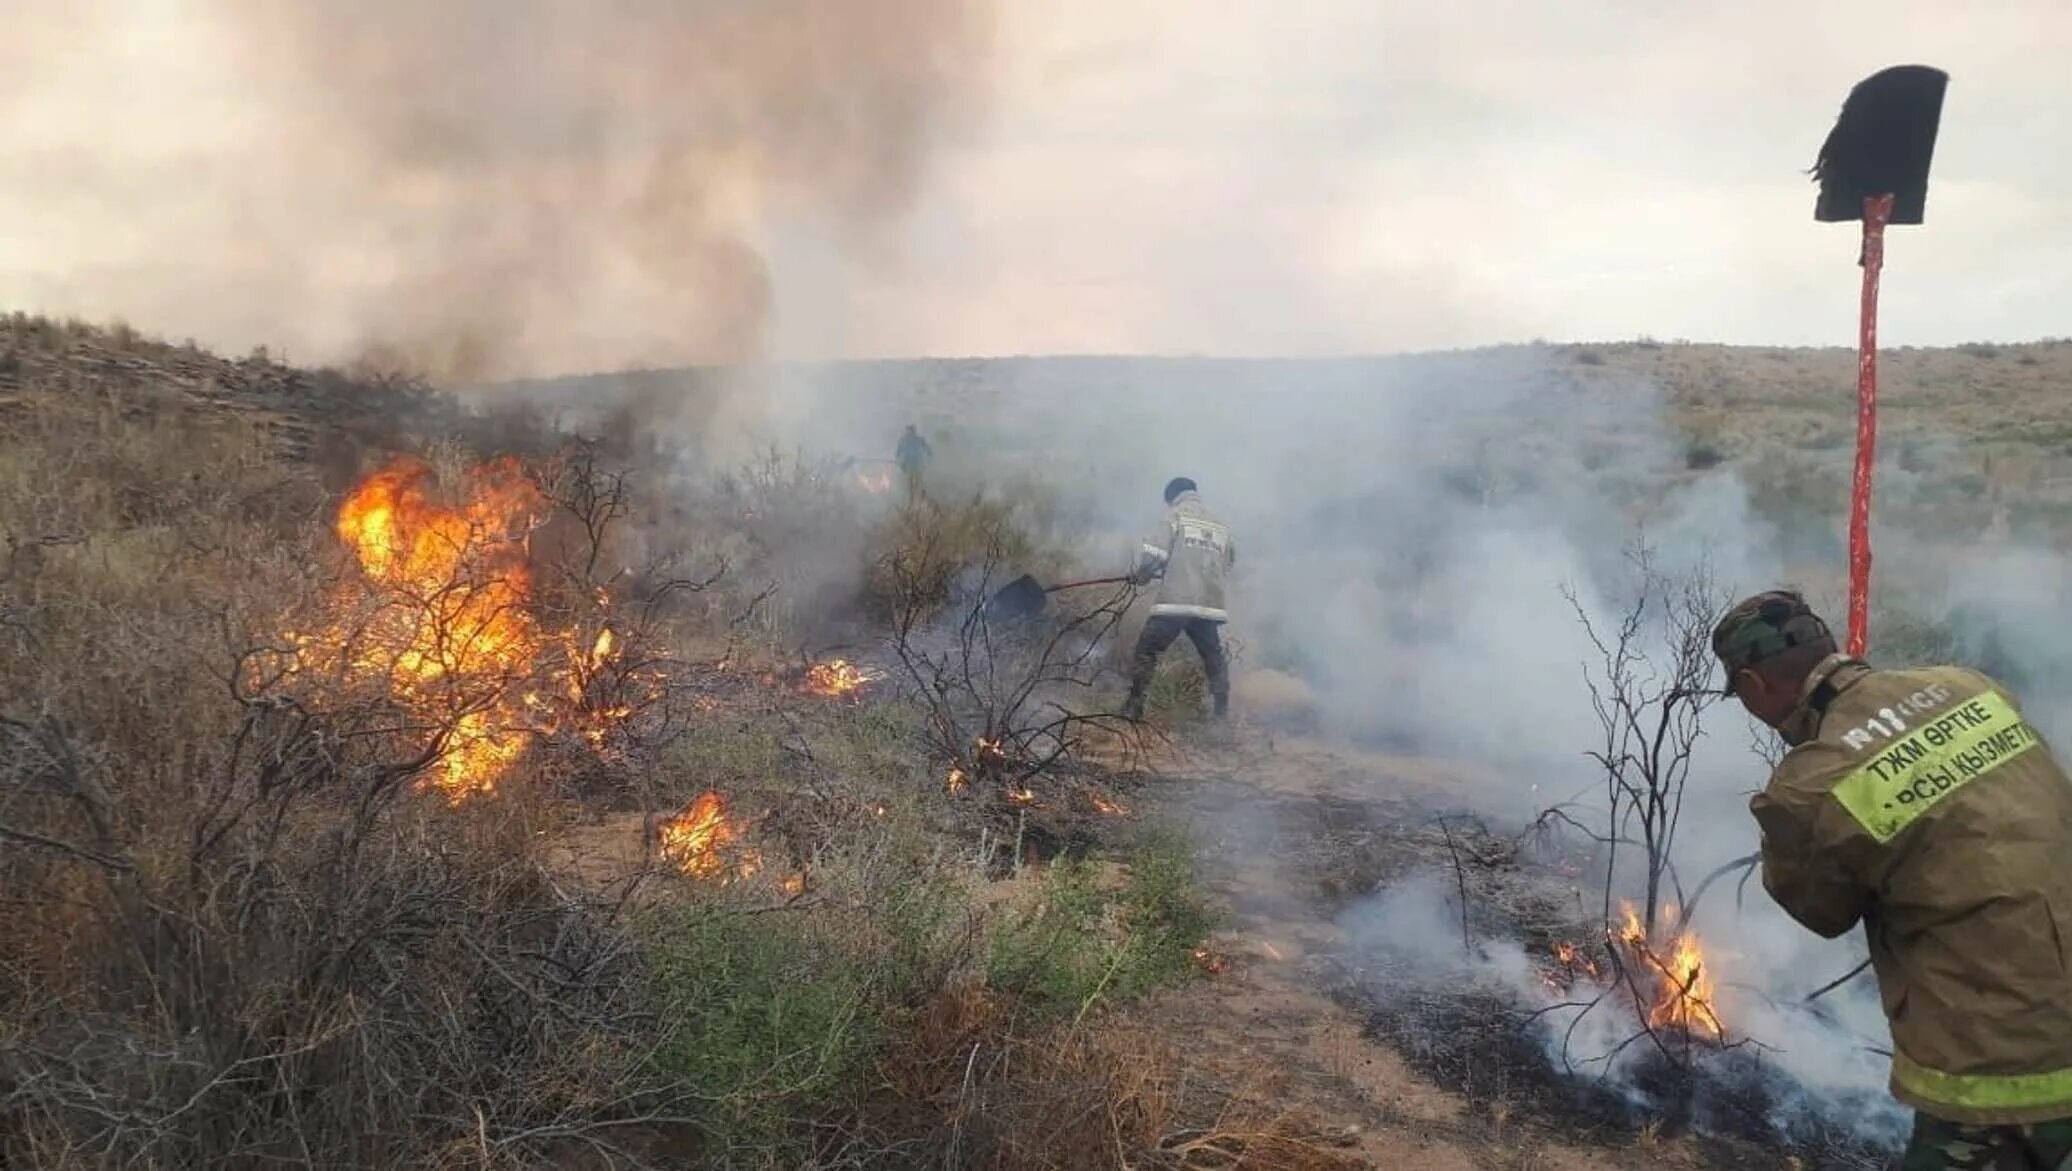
x: 474, y: 189
x: 546, y: 186
x: 1405, y: 529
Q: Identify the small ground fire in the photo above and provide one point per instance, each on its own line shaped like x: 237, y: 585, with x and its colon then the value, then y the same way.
x: 1673, y: 975
x: 704, y: 841
x: 837, y: 679
x: 1670, y: 978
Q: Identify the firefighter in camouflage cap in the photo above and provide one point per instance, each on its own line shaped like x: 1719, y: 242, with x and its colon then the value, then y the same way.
x: 1922, y: 804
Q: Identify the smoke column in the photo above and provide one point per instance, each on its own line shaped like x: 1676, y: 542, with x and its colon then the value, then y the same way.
x: 474, y: 189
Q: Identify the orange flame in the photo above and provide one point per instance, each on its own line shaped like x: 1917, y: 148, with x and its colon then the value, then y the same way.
x: 988, y: 753
x: 705, y: 843
x: 454, y: 638
x: 1679, y: 987
x: 876, y: 483
x: 956, y: 781
x: 836, y: 678
x: 454, y: 633
x: 1111, y: 808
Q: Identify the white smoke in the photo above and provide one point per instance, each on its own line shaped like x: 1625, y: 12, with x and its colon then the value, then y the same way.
x: 1406, y: 529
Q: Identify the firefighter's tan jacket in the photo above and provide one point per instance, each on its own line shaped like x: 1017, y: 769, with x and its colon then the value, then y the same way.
x: 1922, y: 803
x: 1190, y: 555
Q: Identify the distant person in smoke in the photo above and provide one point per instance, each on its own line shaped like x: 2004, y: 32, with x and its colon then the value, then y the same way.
x: 912, y: 455
x: 1190, y: 556
x: 1921, y: 803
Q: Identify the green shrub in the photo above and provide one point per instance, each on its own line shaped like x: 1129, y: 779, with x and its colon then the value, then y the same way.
x: 875, y: 740
x: 1165, y: 911
x: 778, y: 1018
x: 758, y: 1013
x: 1083, y: 943
x: 717, y: 754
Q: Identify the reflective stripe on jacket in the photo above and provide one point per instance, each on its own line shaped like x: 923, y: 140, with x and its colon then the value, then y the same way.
x: 1191, y: 555
x: 1922, y: 803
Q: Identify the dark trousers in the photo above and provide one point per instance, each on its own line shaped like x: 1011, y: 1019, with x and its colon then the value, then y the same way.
x: 1159, y: 632
x: 1956, y: 1146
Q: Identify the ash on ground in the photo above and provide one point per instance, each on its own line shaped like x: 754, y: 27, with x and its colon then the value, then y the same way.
x: 1461, y: 1000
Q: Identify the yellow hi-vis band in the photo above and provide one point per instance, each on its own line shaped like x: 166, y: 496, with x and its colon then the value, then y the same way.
x: 2019, y: 1091
x: 1956, y: 746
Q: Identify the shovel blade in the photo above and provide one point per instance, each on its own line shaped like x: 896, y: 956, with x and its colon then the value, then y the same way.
x: 1881, y: 145
x: 1023, y: 597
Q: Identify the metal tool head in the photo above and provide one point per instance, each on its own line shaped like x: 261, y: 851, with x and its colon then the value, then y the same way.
x: 1881, y: 145
x: 1024, y: 597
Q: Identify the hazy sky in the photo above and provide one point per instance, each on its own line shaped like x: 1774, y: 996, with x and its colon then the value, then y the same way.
x: 1280, y: 177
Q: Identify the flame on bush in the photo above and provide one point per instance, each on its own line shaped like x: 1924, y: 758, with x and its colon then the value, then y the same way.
x: 704, y: 841
x: 988, y: 754
x: 1673, y: 977
x: 451, y: 635
x: 448, y: 627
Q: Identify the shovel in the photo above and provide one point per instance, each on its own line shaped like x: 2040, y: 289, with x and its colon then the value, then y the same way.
x: 1874, y: 167
x: 1025, y: 597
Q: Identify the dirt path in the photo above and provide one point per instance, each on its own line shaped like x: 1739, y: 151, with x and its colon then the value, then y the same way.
x: 1287, y: 829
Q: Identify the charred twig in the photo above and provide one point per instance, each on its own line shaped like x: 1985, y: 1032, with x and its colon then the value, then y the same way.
x: 1838, y: 981
x: 1460, y: 880
x: 1747, y: 862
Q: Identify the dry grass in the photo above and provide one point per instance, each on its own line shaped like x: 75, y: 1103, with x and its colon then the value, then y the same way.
x: 1982, y: 427
x: 240, y: 934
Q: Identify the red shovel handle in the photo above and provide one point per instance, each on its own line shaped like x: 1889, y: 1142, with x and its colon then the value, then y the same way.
x: 1876, y: 211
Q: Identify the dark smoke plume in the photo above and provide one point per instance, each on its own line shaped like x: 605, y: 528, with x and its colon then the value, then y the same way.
x: 486, y: 188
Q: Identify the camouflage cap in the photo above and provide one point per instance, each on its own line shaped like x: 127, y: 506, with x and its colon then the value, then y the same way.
x: 1765, y: 625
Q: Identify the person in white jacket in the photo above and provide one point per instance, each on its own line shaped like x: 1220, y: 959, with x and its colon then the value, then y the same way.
x: 1190, y: 557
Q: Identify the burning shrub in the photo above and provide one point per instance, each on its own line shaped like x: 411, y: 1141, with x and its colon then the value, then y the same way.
x: 444, y: 623
x: 837, y: 679
x: 1669, y: 980
x: 445, y: 620
x: 230, y: 944
x: 1003, y: 705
